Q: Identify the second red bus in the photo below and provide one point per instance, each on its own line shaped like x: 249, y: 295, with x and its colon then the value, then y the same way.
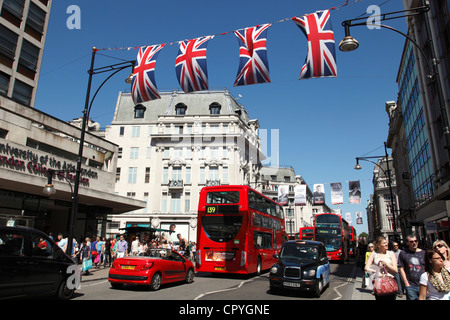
x: 332, y: 230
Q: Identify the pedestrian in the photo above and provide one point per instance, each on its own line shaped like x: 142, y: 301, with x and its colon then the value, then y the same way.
x: 368, y: 276
x: 62, y: 242
x: 100, y: 246
x: 412, y: 264
x: 442, y: 247
x: 108, y: 257
x: 436, y: 278
x: 382, y: 260
x: 122, y: 247
x: 86, y: 256
x: 398, y: 278
x: 135, y: 247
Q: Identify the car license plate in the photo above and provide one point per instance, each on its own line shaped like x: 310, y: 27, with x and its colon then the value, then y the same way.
x: 128, y: 267
x: 220, y: 268
x: 292, y: 284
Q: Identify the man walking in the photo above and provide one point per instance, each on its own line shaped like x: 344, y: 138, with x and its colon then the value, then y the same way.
x: 122, y: 247
x: 412, y: 264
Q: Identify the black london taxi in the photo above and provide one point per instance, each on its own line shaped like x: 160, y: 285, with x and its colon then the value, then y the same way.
x: 32, y: 264
x: 302, y: 265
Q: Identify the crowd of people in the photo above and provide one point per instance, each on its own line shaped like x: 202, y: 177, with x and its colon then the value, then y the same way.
x: 101, y: 251
x: 419, y: 274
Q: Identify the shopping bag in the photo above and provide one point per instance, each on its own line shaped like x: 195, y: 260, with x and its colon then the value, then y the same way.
x: 87, y: 264
x: 384, y: 284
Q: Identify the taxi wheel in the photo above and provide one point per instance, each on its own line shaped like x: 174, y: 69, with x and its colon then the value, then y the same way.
x: 319, y: 288
x: 156, y: 282
x: 64, y: 293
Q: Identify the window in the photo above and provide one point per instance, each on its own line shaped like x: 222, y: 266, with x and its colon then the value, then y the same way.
x: 12, y: 245
x: 214, y: 173
x: 22, y: 92
x: 164, y: 203
x: 131, y: 194
x: 139, y: 111
x: 188, y: 174
x: 12, y: 11
x: 225, y: 175
x: 147, y: 175
x: 35, y: 22
x: 42, y: 247
x: 121, y: 131
x: 180, y: 109
x: 134, y: 152
x: 149, y: 152
x: 28, y: 60
x: 187, y: 202
x: 202, y: 175
x: 8, y: 44
x: 214, y: 108
x: 4, y: 83
x: 117, y: 174
x: 165, y: 175
x: 132, y: 175
x: 175, y: 202
x: 119, y: 153
x: 176, y: 173
x: 135, y: 131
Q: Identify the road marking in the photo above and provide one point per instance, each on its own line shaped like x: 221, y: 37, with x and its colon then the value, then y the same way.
x: 350, y: 278
x: 224, y: 290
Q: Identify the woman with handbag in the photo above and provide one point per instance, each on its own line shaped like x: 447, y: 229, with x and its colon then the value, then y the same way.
x: 436, y: 279
x: 385, y: 262
x: 86, y: 257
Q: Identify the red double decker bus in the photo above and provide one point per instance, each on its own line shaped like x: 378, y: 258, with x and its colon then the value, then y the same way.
x: 238, y: 230
x: 332, y: 230
x: 352, y: 241
x: 306, y: 233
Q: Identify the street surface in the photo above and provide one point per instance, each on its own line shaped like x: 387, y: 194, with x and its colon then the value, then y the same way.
x: 208, y: 286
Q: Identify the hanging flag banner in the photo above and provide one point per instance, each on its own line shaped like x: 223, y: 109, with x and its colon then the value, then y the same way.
x: 300, y: 194
x: 253, y: 63
x: 190, y: 65
x: 321, y: 58
x: 319, y: 193
x: 348, y: 218
x: 283, y: 191
x: 143, y: 87
x: 359, y: 218
x: 337, y: 196
x: 354, y: 192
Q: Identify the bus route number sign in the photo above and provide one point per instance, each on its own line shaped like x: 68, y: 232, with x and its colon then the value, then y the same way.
x: 211, y: 209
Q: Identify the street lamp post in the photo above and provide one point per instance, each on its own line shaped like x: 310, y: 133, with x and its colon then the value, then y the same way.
x: 388, y: 173
x: 87, y: 108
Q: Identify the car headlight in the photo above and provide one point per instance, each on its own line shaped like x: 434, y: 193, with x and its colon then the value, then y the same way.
x: 309, y: 273
x: 274, y: 269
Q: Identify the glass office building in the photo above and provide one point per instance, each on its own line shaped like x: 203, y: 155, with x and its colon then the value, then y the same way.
x: 415, y: 129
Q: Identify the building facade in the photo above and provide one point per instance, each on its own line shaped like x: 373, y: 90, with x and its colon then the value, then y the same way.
x: 296, y: 216
x: 23, y: 28
x: 172, y: 147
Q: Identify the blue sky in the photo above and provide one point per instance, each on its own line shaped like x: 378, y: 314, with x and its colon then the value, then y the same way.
x: 323, y: 123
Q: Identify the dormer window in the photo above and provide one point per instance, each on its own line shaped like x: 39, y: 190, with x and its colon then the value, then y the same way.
x: 214, y: 108
x: 139, y: 111
x: 180, y: 109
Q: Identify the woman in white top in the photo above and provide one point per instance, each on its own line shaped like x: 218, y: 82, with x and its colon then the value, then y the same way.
x: 386, y: 258
x: 436, y: 278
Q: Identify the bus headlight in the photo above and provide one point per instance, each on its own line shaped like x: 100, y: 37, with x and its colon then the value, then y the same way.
x: 274, y: 269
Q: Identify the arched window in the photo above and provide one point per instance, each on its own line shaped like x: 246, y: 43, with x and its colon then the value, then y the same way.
x: 214, y: 108
x: 139, y: 111
x: 180, y: 109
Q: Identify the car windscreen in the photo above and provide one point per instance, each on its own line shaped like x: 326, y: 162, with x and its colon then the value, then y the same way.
x: 299, y: 251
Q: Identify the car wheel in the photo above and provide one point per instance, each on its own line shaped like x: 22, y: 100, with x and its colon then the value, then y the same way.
x: 64, y: 293
x: 319, y: 288
x: 259, y: 267
x: 190, y: 276
x: 156, y: 282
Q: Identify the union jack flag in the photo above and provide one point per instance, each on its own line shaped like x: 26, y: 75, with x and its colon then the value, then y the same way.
x: 321, y: 58
x: 253, y: 64
x: 190, y: 64
x: 143, y: 86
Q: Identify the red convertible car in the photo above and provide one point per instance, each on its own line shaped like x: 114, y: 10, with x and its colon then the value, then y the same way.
x: 153, y: 268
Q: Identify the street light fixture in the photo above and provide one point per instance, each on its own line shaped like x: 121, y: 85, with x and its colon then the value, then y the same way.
x: 387, y: 173
x: 87, y: 108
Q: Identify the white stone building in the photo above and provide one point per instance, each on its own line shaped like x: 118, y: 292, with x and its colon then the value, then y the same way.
x: 172, y: 147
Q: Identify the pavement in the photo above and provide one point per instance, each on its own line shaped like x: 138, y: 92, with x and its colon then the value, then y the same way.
x: 355, y: 280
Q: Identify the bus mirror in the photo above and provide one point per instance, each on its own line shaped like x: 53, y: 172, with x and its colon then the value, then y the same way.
x: 275, y: 256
